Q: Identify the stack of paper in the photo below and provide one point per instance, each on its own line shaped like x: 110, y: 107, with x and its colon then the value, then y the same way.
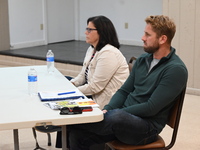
x: 59, y: 95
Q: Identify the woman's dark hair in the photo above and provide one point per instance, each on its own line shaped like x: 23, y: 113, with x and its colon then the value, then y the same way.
x: 106, y: 31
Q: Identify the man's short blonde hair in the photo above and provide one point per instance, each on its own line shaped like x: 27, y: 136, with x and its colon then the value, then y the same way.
x: 162, y: 25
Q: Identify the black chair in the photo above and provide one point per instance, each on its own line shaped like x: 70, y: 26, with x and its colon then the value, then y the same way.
x: 44, y: 129
x: 159, y: 144
x: 37, y: 144
x: 131, y: 62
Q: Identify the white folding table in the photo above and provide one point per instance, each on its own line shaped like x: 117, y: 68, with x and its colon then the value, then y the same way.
x: 20, y: 110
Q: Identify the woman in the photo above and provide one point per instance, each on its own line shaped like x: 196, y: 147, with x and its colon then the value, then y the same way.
x: 104, y: 68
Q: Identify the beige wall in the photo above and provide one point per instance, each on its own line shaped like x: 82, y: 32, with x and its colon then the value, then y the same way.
x: 186, y: 14
x: 4, y: 26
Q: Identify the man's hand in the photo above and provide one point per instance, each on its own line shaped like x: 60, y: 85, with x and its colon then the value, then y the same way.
x: 104, y: 111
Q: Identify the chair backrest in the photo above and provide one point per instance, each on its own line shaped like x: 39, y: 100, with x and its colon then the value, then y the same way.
x: 131, y: 62
x: 175, y: 115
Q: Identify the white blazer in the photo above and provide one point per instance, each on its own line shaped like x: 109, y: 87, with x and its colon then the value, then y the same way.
x: 108, y: 70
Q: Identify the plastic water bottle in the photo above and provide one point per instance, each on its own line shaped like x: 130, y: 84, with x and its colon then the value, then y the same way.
x: 32, y: 82
x: 50, y: 61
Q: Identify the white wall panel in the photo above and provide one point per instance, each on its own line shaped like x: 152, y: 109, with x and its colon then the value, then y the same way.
x: 186, y: 14
x: 197, y: 46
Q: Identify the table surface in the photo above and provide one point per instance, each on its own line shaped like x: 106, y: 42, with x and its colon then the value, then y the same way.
x: 20, y: 110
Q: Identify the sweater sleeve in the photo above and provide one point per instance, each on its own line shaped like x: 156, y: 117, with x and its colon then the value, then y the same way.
x: 169, y: 87
x: 119, y: 98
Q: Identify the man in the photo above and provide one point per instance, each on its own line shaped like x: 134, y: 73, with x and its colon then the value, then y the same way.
x: 138, y: 111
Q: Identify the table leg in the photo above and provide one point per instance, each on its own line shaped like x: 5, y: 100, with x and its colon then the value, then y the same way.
x: 16, y: 139
x: 64, y: 137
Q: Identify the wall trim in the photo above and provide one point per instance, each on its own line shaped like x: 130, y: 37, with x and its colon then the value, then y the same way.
x: 193, y: 91
x: 27, y: 44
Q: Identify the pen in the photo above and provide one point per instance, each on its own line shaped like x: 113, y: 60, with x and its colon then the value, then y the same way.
x: 66, y: 93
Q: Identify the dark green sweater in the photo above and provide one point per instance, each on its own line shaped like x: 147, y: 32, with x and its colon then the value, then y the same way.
x: 150, y: 95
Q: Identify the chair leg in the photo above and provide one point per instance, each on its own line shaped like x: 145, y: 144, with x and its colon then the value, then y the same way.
x: 49, y: 139
x: 37, y: 145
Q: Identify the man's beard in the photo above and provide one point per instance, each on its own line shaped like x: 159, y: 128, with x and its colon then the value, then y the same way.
x: 152, y: 49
